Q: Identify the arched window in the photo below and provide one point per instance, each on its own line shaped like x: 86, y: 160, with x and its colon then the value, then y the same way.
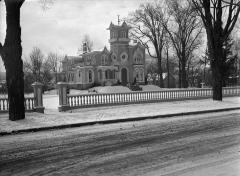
x: 115, y: 34
x: 90, y: 76
x: 108, y: 74
x: 111, y: 34
x: 104, y: 60
x: 100, y: 75
x: 123, y: 34
x: 138, y: 58
x: 79, y: 74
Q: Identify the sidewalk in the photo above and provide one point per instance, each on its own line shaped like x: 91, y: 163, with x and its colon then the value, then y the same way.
x: 111, y: 114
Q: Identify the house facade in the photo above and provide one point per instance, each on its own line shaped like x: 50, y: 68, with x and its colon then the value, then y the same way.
x: 123, y: 63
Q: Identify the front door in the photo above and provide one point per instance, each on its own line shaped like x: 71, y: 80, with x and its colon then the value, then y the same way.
x: 124, y: 76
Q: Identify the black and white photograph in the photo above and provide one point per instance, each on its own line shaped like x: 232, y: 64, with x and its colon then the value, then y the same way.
x: 119, y: 88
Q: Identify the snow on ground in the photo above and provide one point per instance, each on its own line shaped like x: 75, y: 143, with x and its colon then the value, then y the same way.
x: 72, y: 92
x: 26, y: 95
x: 110, y: 89
x: 54, y: 118
x: 75, y: 91
x: 151, y: 88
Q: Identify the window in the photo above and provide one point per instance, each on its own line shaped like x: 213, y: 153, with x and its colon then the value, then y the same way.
x: 111, y: 35
x: 114, y: 57
x: 88, y: 60
x: 114, y: 34
x: 93, y: 60
x: 123, y: 34
x: 124, y: 56
x: 138, y: 58
x: 100, y: 74
x: 79, y: 74
x: 104, y: 60
x: 139, y: 74
x: 90, y: 76
x: 107, y: 74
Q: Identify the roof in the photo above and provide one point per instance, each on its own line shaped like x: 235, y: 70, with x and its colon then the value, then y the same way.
x: 113, y: 26
x: 91, y: 53
x: 75, y: 58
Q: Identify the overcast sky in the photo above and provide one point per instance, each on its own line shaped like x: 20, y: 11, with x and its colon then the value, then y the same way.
x: 61, y: 28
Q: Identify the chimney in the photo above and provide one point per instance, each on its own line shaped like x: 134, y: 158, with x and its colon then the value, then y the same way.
x: 85, y: 47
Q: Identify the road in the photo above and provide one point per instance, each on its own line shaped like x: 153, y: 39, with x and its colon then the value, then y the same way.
x: 207, y: 144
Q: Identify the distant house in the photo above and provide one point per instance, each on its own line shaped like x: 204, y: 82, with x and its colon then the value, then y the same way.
x: 2, y: 77
x: 2, y: 82
x: 172, y: 80
x: 154, y: 79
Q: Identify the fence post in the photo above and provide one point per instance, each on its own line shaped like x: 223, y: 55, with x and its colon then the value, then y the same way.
x: 62, y: 93
x: 38, y: 100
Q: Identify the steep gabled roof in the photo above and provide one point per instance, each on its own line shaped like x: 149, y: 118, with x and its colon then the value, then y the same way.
x: 105, y: 50
x: 124, y: 25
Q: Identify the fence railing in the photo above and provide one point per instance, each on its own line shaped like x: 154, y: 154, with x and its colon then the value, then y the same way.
x: 91, y: 100
x: 31, y: 103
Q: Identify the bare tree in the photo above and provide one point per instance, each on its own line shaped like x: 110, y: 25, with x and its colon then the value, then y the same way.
x: 166, y: 49
x: 35, y: 64
x: 11, y: 53
x: 184, y: 30
x: 219, y: 18
x: 52, y: 63
x: 149, y: 32
x: 46, y: 4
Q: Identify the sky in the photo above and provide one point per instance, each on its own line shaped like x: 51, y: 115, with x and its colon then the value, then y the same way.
x: 61, y: 27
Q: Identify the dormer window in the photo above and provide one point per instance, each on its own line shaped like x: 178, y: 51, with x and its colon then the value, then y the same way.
x: 104, y: 60
x: 114, y: 34
x: 138, y: 58
x: 123, y: 34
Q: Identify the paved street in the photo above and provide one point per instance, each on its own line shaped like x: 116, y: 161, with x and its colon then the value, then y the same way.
x: 207, y: 144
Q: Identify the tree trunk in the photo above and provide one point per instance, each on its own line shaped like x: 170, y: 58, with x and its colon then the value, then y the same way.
x: 179, y: 75
x: 193, y: 78
x: 217, y: 74
x: 184, y: 74
x: 11, y: 54
x: 183, y: 64
x: 161, y: 84
x: 168, y: 72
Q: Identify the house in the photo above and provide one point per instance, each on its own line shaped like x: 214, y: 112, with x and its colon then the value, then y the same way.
x: 2, y: 77
x: 169, y: 81
x: 122, y: 63
x: 2, y: 82
x: 154, y: 79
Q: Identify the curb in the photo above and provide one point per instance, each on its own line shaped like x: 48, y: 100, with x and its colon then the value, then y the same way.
x: 113, y: 121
